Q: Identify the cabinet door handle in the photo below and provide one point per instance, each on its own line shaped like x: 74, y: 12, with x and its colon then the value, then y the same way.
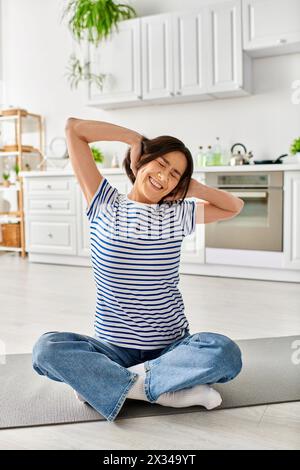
x: 50, y: 206
x: 50, y: 235
x: 49, y: 186
x: 171, y: 93
x: 140, y: 97
x: 178, y: 92
x: 281, y: 41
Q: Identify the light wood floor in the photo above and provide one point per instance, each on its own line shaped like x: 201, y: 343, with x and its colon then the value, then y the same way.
x: 36, y: 298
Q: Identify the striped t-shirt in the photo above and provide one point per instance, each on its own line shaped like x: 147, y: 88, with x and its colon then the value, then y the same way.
x: 135, y: 253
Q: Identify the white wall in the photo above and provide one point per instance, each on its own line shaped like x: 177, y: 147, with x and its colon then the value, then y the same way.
x: 36, y: 47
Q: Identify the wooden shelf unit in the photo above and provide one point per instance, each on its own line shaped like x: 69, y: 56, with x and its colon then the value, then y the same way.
x: 19, y: 116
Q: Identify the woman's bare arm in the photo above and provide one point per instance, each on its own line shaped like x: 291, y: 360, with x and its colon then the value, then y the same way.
x: 217, y: 204
x: 81, y: 132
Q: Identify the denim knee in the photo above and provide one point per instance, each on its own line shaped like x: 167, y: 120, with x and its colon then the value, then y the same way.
x: 232, y: 355
x: 42, y: 350
x: 226, y: 349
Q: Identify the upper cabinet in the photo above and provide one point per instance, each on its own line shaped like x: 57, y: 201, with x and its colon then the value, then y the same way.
x: 173, y: 58
x: 157, y: 57
x: 229, y: 68
x: 271, y: 26
x: 119, y: 58
x: 191, y: 55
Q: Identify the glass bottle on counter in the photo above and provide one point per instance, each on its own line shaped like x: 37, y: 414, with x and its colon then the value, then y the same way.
x: 217, y: 153
x: 209, y: 156
x: 200, y: 158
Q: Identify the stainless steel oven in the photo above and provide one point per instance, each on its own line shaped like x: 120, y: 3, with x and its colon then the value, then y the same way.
x: 259, y: 226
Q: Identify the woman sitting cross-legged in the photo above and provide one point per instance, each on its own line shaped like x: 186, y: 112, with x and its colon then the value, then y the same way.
x: 142, y: 347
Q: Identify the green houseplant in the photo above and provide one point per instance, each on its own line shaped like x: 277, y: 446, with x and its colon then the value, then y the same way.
x: 77, y: 72
x: 97, y: 154
x: 295, y: 146
x: 5, y: 175
x: 16, y: 170
x: 92, y: 20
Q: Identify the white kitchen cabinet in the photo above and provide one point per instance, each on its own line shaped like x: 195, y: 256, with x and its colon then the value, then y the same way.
x: 291, y: 235
x: 83, y: 229
x: 157, y: 56
x: 61, y: 231
x: 54, y: 205
x: 173, y: 57
x: 229, y: 68
x: 50, y: 222
x: 45, y: 186
x: 121, y: 182
x: 63, y: 238
x: 191, y: 55
x: 51, y: 234
x: 118, y: 57
x: 271, y: 27
x: 193, y: 246
x: 208, y: 58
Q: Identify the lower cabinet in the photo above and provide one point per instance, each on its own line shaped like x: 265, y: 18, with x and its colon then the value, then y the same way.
x: 50, y: 215
x: 56, y: 224
x: 83, y: 237
x: 51, y: 234
x: 193, y: 246
x: 57, y: 229
x: 291, y: 226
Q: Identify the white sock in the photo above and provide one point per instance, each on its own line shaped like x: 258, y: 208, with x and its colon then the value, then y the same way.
x: 137, y: 391
x: 202, y: 394
x: 138, y: 369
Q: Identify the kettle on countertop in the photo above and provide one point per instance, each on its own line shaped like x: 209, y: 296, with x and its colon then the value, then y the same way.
x: 239, y: 158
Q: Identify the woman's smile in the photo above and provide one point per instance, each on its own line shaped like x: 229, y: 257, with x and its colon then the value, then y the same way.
x: 155, y: 184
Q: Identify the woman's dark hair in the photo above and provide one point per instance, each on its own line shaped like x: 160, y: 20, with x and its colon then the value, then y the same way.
x: 154, y: 148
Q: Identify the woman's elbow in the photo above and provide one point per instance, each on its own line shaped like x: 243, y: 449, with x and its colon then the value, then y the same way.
x: 70, y: 123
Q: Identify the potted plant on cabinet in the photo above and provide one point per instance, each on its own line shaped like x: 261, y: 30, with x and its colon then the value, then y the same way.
x: 295, y: 147
x: 98, y: 155
x: 6, y: 181
x: 294, y: 156
x: 92, y: 21
x: 17, y: 170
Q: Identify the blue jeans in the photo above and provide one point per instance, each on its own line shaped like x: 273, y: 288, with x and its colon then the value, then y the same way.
x: 97, y: 370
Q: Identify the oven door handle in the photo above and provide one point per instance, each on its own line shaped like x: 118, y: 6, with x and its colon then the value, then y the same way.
x: 251, y: 195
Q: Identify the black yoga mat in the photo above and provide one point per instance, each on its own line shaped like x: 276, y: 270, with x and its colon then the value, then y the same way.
x: 270, y: 374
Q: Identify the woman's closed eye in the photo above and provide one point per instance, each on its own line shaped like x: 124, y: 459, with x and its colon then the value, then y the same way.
x: 172, y: 174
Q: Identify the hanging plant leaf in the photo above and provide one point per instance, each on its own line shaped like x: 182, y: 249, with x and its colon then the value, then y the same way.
x: 93, y: 20
x: 96, y: 17
x: 77, y: 72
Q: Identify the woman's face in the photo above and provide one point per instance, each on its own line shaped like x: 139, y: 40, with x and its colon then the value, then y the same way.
x: 159, y: 177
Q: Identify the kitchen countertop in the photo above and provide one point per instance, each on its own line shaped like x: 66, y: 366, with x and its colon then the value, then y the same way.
x: 207, y: 169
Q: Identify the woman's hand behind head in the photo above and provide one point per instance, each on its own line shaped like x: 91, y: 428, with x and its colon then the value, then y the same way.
x: 135, y: 154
